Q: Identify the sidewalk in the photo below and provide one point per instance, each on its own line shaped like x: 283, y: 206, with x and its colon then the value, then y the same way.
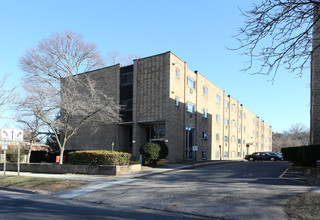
x: 98, y: 182
x: 146, y: 171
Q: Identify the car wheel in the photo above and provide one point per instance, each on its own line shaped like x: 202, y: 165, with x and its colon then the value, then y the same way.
x: 272, y: 159
x: 251, y: 159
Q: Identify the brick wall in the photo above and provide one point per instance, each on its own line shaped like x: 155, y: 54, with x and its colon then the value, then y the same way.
x: 107, y: 79
x: 315, y: 84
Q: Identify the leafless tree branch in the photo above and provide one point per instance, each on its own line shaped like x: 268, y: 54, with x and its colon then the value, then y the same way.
x: 65, y: 98
x: 278, y: 34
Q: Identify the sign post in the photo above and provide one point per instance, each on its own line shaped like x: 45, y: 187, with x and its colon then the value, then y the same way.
x: 4, y: 148
x: 18, y: 159
x: 14, y: 135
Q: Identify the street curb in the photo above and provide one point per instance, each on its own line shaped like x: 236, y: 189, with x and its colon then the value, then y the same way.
x: 19, y: 190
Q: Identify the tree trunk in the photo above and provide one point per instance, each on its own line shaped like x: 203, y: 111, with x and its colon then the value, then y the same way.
x: 29, y: 155
x: 61, y: 155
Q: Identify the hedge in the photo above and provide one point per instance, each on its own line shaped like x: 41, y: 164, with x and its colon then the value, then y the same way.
x: 13, y: 157
x: 292, y: 154
x: 99, y: 157
x: 307, y: 155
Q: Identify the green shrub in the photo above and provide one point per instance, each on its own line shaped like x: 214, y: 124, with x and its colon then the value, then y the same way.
x: 13, y: 157
x: 98, y: 157
x: 150, y: 152
x: 164, y: 149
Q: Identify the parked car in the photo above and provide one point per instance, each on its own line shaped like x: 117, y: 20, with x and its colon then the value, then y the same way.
x: 263, y: 156
x: 279, y: 155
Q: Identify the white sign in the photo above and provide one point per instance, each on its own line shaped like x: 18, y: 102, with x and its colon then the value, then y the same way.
x: 195, y: 148
x: 11, y: 134
x: 4, y: 145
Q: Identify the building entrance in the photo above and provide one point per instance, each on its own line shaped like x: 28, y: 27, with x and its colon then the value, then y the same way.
x: 190, y: 142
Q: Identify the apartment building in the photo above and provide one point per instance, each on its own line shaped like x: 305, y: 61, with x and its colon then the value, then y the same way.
x: 163, y: 100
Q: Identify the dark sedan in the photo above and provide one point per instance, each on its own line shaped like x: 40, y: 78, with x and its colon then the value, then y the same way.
x: 263, y: 156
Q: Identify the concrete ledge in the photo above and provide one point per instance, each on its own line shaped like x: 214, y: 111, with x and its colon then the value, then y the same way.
x: 77, y: 169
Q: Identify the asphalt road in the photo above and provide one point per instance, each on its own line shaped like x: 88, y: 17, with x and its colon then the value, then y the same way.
x: 239, y: 190
x: 242, y: 190
x: 29, y: 206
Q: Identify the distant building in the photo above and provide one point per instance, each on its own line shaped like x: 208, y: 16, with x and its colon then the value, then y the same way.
x: 164, y: 100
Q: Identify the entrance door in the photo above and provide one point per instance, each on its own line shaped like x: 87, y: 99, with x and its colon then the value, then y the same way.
x: 190, y: 142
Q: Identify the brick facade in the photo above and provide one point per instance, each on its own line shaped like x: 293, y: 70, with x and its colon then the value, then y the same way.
x: 315, y: 85
x: 182, y: 108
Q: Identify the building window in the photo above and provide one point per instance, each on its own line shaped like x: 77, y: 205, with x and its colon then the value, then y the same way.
x: 126, y: 104
x: 191, y: 83
x: 244, y: 128
x: 126, y: 79
x: 226, y: 121
x: 217, y: 118
x: 218, y: 99
x: 244, y: 115
x: 227, y: 105
x: 155, y: 132
x: 177, y: 101
x: 204, y: 154
x: 226, y: 138
x: 239, y: 141
x: 217, y: 137
x: 239, y: 127
x: 205, y: 113
x: 244, y: 142
x: 190, y: 107
x: 177, y: 73
x: 204, y: 135
x: 205, y: 91
x: 240, y: 113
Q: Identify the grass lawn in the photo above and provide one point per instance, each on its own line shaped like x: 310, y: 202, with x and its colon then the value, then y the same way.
x: 39, y: 184
x: 304, y: 206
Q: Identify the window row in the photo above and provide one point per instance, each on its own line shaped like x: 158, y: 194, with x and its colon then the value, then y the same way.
x: 192, y: 84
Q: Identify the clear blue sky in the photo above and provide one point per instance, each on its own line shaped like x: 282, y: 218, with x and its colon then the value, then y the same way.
x: 196, y: 31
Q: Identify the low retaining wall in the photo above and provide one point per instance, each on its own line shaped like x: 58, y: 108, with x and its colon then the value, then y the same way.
x: 77, y: 169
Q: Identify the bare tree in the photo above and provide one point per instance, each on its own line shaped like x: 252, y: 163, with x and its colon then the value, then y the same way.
x: 66, y: 99
x: 129, y: 57
x: 7, y: 95
x: 114, y: 57
x: 296, y: 135
x: 29, y: 117
x: 279, y: 33
x: 286, y: 34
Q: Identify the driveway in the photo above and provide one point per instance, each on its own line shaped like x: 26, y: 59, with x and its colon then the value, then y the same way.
x: 240, y: 190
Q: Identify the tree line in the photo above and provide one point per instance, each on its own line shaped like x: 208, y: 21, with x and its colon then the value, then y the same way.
x: 296, y: 135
